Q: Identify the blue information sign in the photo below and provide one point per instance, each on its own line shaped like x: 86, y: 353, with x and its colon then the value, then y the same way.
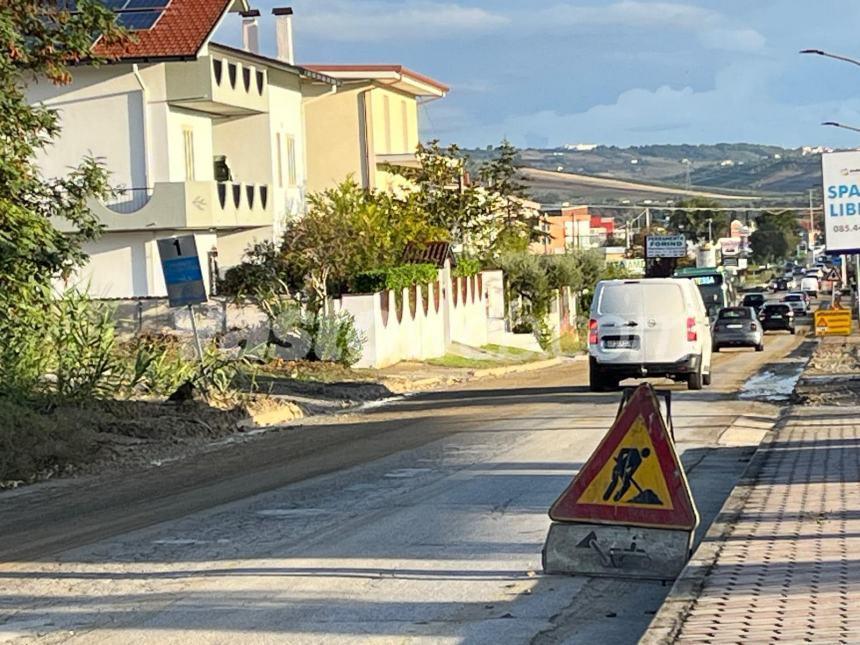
x: 182, y: 274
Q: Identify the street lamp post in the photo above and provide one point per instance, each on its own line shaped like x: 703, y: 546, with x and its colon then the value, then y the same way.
x: 853, y: 61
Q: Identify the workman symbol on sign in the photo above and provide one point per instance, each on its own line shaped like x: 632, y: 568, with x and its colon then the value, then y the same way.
x: 627, y: 462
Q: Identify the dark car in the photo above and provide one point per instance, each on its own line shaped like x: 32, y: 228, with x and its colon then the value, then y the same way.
x: 754, y: 300
x: 738, y: 327
x: 779, y: 284
x: 777, y: 316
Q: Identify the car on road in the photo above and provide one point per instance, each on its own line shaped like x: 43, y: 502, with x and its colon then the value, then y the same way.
x: 809, y: 284
x: 779, y: 284
x: 655, y: 327
x: 754, y: 300
x: 798, y: 302
x: 738, y: 327
x: 775, y: 316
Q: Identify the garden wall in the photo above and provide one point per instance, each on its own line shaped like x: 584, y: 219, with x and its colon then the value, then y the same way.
x: 422, y: 322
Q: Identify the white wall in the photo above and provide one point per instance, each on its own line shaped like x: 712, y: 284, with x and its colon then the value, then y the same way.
x: 392, y: 339
x: 101, y: 114
x: 178, y: 120
x: 123, y: 265
x: 286, y: 117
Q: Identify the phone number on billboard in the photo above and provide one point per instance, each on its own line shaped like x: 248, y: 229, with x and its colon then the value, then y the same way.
x: 845, y: 228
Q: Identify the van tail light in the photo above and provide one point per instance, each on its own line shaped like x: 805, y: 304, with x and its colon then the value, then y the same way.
x: 592, y: 332
x: 753, y: 327
x: 691, y: 330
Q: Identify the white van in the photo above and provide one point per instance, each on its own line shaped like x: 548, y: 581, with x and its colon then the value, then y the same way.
x: 809, y: 284
x: 653, y: 327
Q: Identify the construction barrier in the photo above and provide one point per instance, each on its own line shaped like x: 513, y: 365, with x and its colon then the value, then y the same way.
x: 833, y: 322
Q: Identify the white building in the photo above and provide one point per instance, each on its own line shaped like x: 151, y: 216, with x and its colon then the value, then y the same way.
x: 168, y: 117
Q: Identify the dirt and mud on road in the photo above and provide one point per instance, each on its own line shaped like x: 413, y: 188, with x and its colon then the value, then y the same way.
x: 832, y: 377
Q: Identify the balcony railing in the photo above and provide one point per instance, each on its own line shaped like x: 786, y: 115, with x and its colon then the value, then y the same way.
x: 187, y: 205
x: 128, y: 200
x: 218, y: 85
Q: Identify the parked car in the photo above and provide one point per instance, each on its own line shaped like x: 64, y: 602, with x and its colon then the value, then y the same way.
x: 809, y: 285
x: 652, y: 327
x: 775, y: 316
x: 738, y: 327
x: 754, y: 300
x: 798, y: 302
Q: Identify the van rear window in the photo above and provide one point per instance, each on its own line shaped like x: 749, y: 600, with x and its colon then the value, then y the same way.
x: 634, y: 299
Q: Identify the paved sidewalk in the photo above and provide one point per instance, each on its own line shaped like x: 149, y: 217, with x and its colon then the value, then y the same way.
x: 783, y: 563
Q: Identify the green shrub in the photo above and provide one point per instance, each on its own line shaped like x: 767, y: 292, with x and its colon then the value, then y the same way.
x: 466, y: 268
x: 83, y: 348
x: 338, y: 340
x: 396, y: 278
x: 158, y: 365
x: 369, y: 281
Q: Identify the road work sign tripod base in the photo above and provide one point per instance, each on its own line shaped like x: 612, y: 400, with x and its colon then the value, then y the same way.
x: 629, y: 511
x: 615, y: 551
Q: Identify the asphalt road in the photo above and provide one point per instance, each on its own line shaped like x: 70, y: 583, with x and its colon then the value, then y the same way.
x: 420, y: 521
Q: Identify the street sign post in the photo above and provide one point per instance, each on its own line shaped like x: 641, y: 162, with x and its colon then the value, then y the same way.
x: 629, y: 511
x: 183, y: 277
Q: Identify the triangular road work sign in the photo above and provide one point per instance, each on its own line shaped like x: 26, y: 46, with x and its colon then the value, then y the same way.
x: 634, y: 477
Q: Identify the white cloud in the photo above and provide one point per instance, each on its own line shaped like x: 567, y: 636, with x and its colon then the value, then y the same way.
x: 348, y: 21
x: 713, y: 29
x: 737, y: 108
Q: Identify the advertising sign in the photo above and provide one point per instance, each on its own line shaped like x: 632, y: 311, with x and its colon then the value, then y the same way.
x: 736, y: 228
x: 665, y: 246
x: 730, y: 245
x: 841, y: 177
x: 182, y: 274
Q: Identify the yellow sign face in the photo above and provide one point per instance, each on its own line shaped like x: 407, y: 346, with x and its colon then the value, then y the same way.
x: 833, y: 322
x: 632, y: 478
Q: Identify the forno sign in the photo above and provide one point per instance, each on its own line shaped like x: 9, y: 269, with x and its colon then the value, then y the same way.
x: 665, y: 246
x: 841, y: 176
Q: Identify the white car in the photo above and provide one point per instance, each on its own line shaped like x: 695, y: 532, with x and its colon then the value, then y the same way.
x: 797, y: 302
x: 652, y: 327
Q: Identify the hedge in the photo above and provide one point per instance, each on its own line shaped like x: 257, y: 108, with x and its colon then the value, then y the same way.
x: 396, y: 278
x: 466, y: 268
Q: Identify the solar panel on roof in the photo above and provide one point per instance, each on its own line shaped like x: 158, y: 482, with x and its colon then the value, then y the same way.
x: 137, y: 20
x: 134, y: 15
x: 146, y: 4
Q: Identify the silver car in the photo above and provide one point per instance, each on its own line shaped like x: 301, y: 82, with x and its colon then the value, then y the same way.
x: 738, y: 327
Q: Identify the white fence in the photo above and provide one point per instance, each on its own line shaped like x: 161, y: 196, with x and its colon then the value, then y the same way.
x: 422, y: 322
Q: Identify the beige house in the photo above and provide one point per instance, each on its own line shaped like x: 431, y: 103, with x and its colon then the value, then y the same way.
x: 369, y: 121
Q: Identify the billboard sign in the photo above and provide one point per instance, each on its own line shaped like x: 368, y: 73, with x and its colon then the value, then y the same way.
x: 841, y: 177
x: 736, y: 228
x: 730, y: 245
x: 665, y: 246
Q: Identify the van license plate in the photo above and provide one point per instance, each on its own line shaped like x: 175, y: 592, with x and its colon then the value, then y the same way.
x: 734, y: 326
x: 777, y: 317
x: 619, y: 343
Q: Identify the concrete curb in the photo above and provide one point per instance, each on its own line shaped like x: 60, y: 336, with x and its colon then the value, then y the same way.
x: 490, y: 372
x: 667, y: 623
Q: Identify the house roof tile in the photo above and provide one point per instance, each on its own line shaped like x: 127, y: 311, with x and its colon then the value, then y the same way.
x: 181, y: 32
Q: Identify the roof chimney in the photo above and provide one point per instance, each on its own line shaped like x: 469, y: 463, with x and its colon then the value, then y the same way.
x: 284, y: 33
x: 250, y: 31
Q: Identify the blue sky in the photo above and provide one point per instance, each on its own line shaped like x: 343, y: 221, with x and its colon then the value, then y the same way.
x: 616, y: 72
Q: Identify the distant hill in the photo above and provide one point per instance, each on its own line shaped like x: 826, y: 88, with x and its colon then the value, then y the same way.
x: 781, y: 174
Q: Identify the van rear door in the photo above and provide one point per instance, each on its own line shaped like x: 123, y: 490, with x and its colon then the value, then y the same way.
x: 619, y: 323
x: 665, y: 329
